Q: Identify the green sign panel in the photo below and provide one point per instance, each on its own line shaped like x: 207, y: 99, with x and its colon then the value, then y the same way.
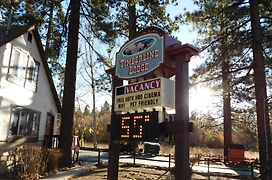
x: 140, y: 56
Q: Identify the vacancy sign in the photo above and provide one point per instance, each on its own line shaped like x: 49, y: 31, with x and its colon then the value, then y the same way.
x: 146, y: 94
x: 139, y: 56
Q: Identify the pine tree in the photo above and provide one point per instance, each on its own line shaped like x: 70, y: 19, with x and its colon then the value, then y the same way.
x: 263, y: 124
x: 69, y: 85
x: 239, y: 44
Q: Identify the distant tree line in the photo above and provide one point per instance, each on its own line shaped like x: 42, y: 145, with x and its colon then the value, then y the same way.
x: 84, y: 127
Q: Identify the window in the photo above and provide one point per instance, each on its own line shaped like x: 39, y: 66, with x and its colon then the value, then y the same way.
x: 29, y: 37
x: 32, y: 74
x: 17, y: 66
x: 32, y: 70
x: 23, y: 69
x: 24, y: 121
x: 14, y: 62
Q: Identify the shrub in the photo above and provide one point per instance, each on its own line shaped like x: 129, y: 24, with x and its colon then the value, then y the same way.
x: 29, y: 162
x: 54, y: 156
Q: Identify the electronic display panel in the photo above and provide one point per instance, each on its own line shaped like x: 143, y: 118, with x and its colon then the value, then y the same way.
x: 136, y: 127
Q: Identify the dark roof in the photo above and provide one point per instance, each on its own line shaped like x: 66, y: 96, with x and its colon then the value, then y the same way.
x: 17, y: 31
x: 236, y: 146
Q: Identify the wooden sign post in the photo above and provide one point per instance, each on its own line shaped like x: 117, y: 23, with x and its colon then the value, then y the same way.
x: 181, y: 56
x: 146, y: 60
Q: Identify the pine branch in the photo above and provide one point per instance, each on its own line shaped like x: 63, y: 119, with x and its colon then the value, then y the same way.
x: 246, y: 76
x: 101, y: 58
x: 236, y: 4
x: 266, y: 55
x: 244, y: 54
x: 87, y: 16
x: 64, y: 27
x: 226, y: 34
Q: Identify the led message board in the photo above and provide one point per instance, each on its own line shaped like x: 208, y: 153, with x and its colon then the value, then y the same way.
x: 136, y: 127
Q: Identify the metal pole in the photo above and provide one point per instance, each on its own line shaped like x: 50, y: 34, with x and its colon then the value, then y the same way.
x: 98, y: 157
x: 134, y: 157
x: 252, y: 169
x: 169, y: 162
x: 208, y: 165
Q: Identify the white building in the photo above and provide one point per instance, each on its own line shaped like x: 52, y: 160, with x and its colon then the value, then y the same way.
x: 29, y: 104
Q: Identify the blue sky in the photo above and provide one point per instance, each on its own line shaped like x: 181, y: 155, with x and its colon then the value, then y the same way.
x: 185, y: 34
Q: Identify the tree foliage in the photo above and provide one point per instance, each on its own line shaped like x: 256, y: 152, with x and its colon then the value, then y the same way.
x: 108, y: 23
x: 48, y: 15
x: 236, y: 35
x: 110, y: 19
x: 83, y: 126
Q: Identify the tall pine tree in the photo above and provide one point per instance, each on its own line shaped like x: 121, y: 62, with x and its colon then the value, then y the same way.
x: 239, y: 44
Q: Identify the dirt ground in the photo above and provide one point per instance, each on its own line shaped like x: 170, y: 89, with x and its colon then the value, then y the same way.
x: 138, y: 173
x: 128, y: 172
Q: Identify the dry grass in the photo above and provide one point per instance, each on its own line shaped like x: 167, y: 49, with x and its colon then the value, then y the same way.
x: 206, y: 151
x: 252, y: 154
x: 167, y: 149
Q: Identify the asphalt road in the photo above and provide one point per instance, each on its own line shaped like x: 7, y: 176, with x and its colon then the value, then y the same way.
x: 92, y: 156
x: 162, y: 161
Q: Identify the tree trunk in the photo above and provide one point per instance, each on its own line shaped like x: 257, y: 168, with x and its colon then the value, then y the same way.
x: 226, y: 103
x: 94, y: 104
x: 132, y: 20
x: 69, y: 86
x: 225, y: 60
x: 263, y: 126
x: 49, y: 30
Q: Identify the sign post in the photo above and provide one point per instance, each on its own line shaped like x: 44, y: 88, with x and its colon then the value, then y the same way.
x: 114, y: 146
x: 181, y: 56
x: 149, y: 60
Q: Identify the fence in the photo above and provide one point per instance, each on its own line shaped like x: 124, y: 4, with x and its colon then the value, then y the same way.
x: 248, y: 165
x: 51, y: 141
x: 246, y: 168
x: 241, y: 166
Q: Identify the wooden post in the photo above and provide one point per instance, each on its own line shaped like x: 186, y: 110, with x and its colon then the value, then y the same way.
x: 182, y: 167
x: 181, y: 55
x: 114, y: 146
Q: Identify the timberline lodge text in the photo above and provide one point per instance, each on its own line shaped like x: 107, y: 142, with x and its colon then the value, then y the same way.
x: 134, y: 65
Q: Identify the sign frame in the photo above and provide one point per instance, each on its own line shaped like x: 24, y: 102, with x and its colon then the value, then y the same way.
x: 142, y: 126
x: 157, y: 92
x: 140, y: 56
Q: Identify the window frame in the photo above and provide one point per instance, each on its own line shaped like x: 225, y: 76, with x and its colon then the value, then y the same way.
x: 31, y: 81
x: 24, y: 122
x: 22, y: 61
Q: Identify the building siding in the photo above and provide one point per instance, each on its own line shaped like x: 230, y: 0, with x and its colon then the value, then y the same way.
x: 12, y: 94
